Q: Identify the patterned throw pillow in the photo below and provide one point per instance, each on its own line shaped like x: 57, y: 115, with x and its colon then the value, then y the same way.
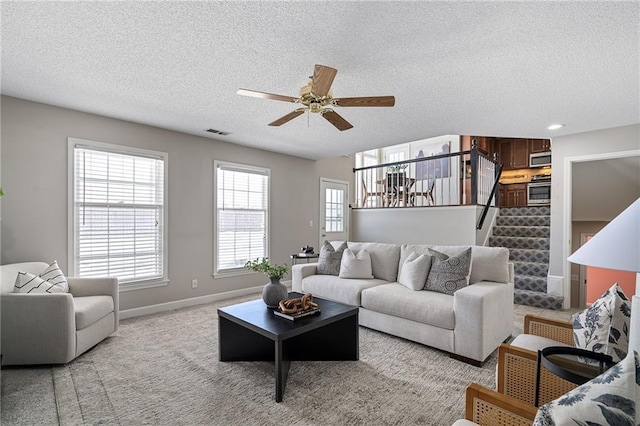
x: 449, y: 273
x: 329, y: 259
x: 51, y: 280
x: 355, y: 265
x: 609, y: 399
x: 415, y: 270
x: 604, y: 327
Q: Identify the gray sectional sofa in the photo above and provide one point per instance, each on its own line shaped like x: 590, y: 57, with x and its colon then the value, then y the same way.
x: 470, y: 324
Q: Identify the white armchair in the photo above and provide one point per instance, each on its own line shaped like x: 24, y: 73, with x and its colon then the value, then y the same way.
x: 54, y: 328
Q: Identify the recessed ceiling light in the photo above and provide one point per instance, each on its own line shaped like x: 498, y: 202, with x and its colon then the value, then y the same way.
x: 555, y: 126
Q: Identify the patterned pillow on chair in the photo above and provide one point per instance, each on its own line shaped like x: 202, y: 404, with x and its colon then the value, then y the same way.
x: 609, y: 399
x: 604, y: 327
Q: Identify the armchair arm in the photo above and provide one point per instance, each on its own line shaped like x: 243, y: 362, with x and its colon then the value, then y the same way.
x: 517, y: 376
x: 81, y: 287
x: 483, y: 318
x: 37, y: 328
x: 560, y: 331
x: 298, y: 272
x: 487, y: 408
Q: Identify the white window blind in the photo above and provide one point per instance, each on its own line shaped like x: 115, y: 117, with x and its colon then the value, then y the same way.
x: 118, y: 202
x: 242, y: 195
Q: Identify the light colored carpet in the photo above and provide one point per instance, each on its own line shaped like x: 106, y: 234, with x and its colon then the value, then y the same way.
x: 164, y: 370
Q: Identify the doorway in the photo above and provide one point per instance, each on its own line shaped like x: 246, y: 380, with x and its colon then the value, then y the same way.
x: 334, y: 213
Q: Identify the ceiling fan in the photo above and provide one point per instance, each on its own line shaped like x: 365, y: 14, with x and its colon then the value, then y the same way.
x: 316, y: 96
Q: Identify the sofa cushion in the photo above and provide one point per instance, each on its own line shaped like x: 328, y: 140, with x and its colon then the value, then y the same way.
x: 384, y: 259
x: 343, y: 290
x: 330, y: 258
x: 415, y: 270
x: 489, y: 263
x: 604, y: 327
x: 355, y: 265
x: 449, y: 273
x: 426, y: 307
x: 90, y: 309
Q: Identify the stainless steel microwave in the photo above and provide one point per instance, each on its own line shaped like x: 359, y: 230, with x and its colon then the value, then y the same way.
x: 540, y: 159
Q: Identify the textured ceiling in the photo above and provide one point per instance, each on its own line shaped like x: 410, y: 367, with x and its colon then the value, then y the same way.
x: 487, y: 68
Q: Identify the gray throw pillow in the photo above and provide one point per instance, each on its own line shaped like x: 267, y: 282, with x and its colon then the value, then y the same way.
x: 330, y: 258
x: 449, y: 273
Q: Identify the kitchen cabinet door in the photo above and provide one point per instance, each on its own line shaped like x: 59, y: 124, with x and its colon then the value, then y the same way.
x: 520, y: 153
x: 539, y: 145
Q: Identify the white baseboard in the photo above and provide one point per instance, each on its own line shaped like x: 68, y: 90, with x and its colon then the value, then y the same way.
x: 554, y: 285
x: 192, y: 301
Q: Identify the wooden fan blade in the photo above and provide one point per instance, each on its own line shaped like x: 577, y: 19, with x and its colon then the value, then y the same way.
x: 335, y: 119
x: 263, y: 95
x: 322, y: 80
x: 293, y: 114
x: 366, y: 101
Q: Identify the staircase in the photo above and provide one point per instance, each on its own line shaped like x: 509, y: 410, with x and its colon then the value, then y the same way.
x: 525, y: 232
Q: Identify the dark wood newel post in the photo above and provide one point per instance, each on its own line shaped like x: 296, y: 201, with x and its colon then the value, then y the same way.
x: 474, y: 171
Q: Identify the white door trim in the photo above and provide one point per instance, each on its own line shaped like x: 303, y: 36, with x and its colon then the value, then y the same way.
x: 566, y: 220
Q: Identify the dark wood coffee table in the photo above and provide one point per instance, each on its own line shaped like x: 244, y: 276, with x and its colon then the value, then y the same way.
x: 251, y: 332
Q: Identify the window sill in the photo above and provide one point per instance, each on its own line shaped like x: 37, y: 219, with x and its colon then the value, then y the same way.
x: 143, y: 285
x: 218, y: 275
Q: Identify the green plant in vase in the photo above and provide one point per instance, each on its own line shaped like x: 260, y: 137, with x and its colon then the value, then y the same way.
x: 263, y: 265
x: 274, y: 291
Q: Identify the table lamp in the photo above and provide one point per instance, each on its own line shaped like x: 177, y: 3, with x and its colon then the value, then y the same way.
x: 617, y: 246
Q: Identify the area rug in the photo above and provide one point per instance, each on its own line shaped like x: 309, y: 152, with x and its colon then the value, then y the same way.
x: 164, y: 370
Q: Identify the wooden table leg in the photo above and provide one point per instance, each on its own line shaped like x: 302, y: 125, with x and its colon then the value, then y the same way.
x: 282, y: 369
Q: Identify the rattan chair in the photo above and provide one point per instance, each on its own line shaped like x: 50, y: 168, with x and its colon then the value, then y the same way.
x: 486, y: 407
x: 517, y: 366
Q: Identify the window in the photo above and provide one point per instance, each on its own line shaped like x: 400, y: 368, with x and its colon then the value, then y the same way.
x: 334, y: 206
x: 241, y: 216
x: 118, y: 217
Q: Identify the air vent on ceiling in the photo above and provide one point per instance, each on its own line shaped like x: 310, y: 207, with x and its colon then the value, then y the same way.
x: 218, y: 132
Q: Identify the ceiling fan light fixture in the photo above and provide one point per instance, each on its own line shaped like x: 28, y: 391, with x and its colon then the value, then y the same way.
x: 316, y: 94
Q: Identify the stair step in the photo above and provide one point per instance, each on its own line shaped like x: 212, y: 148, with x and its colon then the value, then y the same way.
x: 522, y: 231
x: 534, y: 243
x: 530, y: 283
x: 525, y: 211
x: 537, y: 299
x: 523, y: 221
x: 532, y: 269
x: 528, y: 255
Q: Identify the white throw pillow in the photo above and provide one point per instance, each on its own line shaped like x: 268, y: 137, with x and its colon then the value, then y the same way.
x: 51, y: 280
x: 355, y: 265
x: 415, y: 270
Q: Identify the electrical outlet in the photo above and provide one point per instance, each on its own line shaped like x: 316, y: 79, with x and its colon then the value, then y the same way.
x: 194, y: 283
x: 310, y: 224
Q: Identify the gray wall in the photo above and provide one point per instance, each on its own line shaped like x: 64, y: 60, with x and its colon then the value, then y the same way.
x: 34, y: 210
x: 613, y: 140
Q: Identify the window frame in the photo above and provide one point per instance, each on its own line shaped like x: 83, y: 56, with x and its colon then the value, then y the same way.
x: 72, y: 143
x: 224, y: 273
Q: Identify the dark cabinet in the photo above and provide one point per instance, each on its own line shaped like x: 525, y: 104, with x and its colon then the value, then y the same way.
x: 539, y: 145
x: 513, y: 153
x: 513, y: 195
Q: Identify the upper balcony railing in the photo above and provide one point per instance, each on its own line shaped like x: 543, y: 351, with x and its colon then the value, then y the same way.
x: 458, y: 178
